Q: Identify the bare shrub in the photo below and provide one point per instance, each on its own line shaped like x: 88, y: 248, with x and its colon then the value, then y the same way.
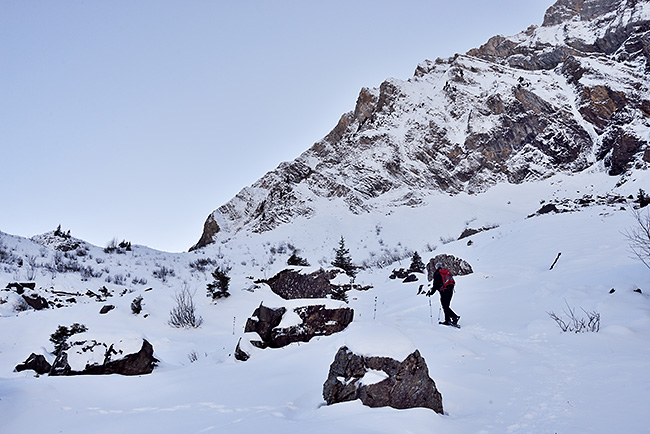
x: 639, y: 237
x: 139, y: 281
x: 6, y: 255
x: 30, y: 273
x: 163, y: 272
x: 202, y: 264
x: 575, y: 324
x: 184, y: 313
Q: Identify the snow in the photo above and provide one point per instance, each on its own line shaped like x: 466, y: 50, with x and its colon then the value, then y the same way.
x: 509, y: 369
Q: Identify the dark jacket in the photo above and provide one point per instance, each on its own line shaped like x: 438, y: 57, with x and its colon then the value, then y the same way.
x: 437, y: 281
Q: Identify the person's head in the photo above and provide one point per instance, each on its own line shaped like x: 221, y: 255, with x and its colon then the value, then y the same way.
x: 439, y: 266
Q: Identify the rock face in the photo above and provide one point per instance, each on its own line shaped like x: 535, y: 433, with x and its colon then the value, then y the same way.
x: 457, y: 266
x: 316, y: 320
x: 292, y: 284
x: 562, y: 97
x: 381, y: 382
x: 89, y: 357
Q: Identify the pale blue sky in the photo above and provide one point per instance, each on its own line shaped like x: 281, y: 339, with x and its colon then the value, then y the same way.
x: 136, y: 118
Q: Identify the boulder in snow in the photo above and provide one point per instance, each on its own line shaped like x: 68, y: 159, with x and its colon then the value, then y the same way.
x: 20, y: 287
x: 381, y: 381
x: 106, y: 308
x: 35, y: 362
x: 291, y: 284
x: 279, y: 327
x: 35, y: 301
x: 457, y: 266
x: 93, y: 357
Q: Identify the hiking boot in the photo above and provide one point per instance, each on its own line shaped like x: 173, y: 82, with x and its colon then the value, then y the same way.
x: 455, y: 322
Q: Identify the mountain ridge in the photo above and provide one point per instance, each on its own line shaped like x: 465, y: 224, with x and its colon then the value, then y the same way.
x: 566, y: 96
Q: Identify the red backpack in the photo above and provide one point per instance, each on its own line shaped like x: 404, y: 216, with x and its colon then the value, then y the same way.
x: 447, y: 278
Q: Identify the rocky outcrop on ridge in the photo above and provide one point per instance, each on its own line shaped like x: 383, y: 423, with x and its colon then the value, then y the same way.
x: 568, y: 95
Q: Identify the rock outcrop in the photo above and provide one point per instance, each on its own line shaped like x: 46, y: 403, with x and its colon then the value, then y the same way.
x: 314, y: 320
x: 292, y: 284
x: 35, y: 362
x: 35, y: 301
x: 457, y: 266
x: 90, y: 357
x: 381, y: 382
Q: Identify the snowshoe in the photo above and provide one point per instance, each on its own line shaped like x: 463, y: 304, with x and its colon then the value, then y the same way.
x: 449, y: 324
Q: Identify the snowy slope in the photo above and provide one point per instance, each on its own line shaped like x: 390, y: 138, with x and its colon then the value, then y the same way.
x: 509, y: 369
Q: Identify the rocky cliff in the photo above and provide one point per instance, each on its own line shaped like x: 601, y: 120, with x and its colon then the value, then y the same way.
x: 569, y: 95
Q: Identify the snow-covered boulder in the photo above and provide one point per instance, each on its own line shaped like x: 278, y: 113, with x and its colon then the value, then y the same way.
x: 129, y: 356
x: 381, y: 381
x: 281, y: 326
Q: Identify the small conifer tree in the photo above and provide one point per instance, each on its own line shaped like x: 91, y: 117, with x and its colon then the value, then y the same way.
x: 338, y: 293
x: 60, y: 337
x: 417, y: 266
x: 642, y: 198
x: 219, y: 287
x: 343, y: 260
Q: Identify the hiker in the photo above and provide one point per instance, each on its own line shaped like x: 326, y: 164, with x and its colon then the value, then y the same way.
x: 444, y: 282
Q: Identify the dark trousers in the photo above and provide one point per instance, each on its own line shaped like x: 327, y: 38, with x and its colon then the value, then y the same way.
x: 445, y: 301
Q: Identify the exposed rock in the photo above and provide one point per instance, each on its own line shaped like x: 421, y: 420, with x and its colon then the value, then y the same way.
x: 316, y: 320
x: 457, y: 266
x: 114, y: 359
x: 106, y: 308
x: 468, y: 232
x: 36, y: 301
x: 400, y: 273
x: 410, y: 278
x: 404, y: 385
x: 20, y: 287
x: 210, y: 229
x: 35, y: 362
x: 546, y: 209
x: 292, y: 284
x: 264, y: 320
x: 240, y: 354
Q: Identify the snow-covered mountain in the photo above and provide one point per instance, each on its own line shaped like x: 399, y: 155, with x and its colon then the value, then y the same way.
x: 532, y: 145
x: 569, y: 95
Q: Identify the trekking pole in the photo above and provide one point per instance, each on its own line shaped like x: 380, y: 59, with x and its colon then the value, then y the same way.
x: 430, y: 310
x: 439, y: 309
x: 374, y: 314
